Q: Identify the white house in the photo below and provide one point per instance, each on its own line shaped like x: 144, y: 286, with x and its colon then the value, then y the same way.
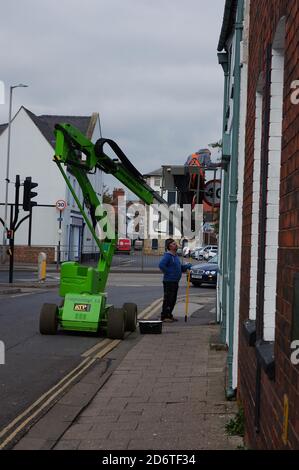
x: 31, y: 154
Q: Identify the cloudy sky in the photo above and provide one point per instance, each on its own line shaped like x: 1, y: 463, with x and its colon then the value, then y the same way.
x: 149, y: 67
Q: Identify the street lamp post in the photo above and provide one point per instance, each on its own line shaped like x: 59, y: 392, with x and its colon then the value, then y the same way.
x: 21, y: 85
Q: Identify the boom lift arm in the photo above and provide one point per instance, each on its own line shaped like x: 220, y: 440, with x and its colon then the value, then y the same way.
x: 84, y: 307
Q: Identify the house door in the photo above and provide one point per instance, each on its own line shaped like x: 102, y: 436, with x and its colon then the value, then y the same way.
x: 74, y: 243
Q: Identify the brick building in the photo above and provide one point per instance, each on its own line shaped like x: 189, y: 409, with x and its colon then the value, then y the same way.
x: 268, y: 382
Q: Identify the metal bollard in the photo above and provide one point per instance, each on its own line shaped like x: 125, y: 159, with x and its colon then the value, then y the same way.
x: 42, y: 267
x: 2, y: 353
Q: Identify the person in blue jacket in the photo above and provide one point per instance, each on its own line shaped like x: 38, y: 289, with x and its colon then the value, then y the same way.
x: 172, y: 269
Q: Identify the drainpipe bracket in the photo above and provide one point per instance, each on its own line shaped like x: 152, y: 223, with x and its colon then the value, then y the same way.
x: 230, y: 394
x: 233, y: 198
x: 225, y: 158
x: 249, y: 332
x: 265, y: 356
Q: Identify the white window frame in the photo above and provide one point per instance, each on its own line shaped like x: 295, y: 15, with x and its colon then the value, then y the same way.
x: 273, y: 180
x: 255, y: 201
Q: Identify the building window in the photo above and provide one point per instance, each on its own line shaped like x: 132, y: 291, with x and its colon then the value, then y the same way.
x: 273, y: 180
x: 171, y: 197
x: 157, y: 181
x: 75, y: 191
x: 255, y: 201
x: 68, y: 192
x: 154, y: 244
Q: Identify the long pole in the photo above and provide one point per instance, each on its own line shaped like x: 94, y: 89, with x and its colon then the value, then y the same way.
x: 8, y: 156
x: 11, y: 249
x: 187, y: 296
x: 13, y: 222
x: 8, y: 164
x: 59, y: 238
x: 7, y: 171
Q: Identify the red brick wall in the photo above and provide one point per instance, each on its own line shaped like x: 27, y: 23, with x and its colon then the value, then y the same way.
x: 265, y: 15
x: 29, y: 254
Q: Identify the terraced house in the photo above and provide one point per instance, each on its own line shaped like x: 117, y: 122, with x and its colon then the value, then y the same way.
x: 258, y: 289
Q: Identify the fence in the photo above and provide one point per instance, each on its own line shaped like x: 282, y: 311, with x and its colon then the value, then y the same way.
x: 135, y: 260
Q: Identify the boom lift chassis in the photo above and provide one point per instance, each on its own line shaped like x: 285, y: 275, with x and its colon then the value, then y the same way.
x: 84, y: 306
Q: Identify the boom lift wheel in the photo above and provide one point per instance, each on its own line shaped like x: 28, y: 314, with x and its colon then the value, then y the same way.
x: 130, y: 316
x: 116, y: 323
x: 48, y: 321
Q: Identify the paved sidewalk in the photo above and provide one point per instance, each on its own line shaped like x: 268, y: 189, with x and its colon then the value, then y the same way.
x: 167, y: 393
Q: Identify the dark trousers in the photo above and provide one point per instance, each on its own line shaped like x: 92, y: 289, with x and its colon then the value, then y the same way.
x: 170, y: 296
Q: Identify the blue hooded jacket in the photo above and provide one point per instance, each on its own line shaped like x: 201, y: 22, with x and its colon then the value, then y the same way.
x: 172, y: 268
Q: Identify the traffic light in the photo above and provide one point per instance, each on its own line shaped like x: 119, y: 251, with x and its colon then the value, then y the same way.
x: 29, y: 194
x: 9, y: 234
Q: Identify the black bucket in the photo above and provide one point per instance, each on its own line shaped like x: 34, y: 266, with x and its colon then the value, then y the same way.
x: 153, y: 327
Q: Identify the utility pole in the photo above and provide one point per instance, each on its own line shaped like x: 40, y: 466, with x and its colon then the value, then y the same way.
x: 8, y: 164
x: 13, y: 222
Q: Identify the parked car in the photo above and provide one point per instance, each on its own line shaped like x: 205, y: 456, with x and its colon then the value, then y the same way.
x: 201, y: 252
x: 124, y: 245
x: 210, y: 254
x: 179, y: 251
x: 195, y: 254
x: 186, y: 251
x: 205, y: 273
x: 138, y: 245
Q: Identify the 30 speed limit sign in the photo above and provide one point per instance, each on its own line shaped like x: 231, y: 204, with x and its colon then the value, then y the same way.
x: 212, y: 193
x: 61, y: 205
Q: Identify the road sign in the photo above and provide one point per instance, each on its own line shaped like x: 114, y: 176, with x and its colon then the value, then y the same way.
x: 60, y: 205
x: 212, y: 198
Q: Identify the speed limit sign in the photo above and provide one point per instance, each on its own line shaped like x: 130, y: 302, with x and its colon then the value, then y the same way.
x: 61, y: 205
x: 212, y: 193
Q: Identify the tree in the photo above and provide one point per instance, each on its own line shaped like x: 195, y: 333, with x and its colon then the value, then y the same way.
x: 107, y: 196
x: 217, y: 145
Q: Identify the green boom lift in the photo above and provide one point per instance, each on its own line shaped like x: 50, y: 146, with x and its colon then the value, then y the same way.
x: 82, y: 288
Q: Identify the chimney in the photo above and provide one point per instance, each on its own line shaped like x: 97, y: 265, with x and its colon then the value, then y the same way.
x: 117, y: 192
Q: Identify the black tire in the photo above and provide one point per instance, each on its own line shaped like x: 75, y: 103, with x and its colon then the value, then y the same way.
x: 116, y: 323
x: 48, y: 321
x: 130, y: 316
x: 196, y: 284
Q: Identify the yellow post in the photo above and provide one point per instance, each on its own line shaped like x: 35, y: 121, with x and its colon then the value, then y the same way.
x: 187, y: 296
x: 285, y: 419
x: 42, y: 267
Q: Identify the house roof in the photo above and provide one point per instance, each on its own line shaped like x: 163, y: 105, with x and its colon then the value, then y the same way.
x: 229, y: 18
x: 46, y: 124
x: 157, y: 172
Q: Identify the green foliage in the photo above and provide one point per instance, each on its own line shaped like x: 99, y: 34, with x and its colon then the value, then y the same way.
x: 235, y: 427
x: 107, y: 196
x: 217, y: 144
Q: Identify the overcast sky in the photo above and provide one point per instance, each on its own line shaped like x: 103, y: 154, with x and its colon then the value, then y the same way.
x: 149, y: 67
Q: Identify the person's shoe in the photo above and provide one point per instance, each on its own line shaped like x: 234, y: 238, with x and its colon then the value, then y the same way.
x: 167, y: 320
x: 174, y: 319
